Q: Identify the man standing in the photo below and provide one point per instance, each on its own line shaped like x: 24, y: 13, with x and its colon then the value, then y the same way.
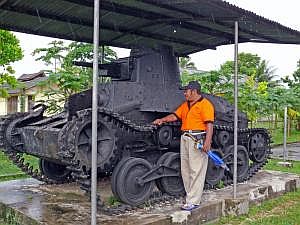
x: 197, y: 116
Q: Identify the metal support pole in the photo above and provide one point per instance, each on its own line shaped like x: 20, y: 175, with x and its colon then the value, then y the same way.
x: 94, y: 114
x: 285, y: 153
x: 102, y: 79
x: 235, y: 133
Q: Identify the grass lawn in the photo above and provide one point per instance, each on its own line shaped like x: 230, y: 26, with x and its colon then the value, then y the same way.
x: 277, y: 136
x: 284, y: 210
x: 8, y: 171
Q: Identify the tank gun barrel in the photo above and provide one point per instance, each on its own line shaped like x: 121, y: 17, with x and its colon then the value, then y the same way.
x: 118, y: 69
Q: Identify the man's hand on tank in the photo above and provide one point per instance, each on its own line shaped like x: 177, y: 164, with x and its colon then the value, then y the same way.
x: 158, y: 122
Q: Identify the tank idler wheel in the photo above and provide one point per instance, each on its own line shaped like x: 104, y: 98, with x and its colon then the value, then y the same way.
x: 115, y: 174
x: 173, y: 185
x: 161, y: 161
x: 258, y: 147
x: 129, y: 187
x: 214, y: 174
x: 242, y: 162
x: 54, y: 171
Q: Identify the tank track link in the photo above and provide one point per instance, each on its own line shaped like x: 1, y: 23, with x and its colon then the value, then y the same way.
x: 17, y: 157
x: 158, y: 197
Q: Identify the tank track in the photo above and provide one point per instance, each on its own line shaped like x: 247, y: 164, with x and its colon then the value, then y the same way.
x: 83, y: 177
x: 68, y: 154
x: 17, y: 157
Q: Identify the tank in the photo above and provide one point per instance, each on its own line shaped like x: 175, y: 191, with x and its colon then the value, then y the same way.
x: 136, y: 155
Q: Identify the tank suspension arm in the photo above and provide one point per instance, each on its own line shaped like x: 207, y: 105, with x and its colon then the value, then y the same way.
x: 157, y: 172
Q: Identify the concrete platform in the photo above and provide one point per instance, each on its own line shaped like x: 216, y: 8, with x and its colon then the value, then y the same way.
x: 29, y: 202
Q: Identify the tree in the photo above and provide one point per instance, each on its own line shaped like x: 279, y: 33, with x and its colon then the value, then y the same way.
x: 186, y: 63
x: 10, y: 51
x: 51, y: 55
x: 252, y: 98
x: 251, y: 65
x: 267, y: 73
x: 294, y: 88
x: 68, y: 79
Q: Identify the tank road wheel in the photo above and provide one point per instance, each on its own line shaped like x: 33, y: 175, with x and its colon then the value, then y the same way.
x: 115, y: 173
x: 258, y: 147
x: 161, y: 161
x: 242, y: 162
x: 214, y: 173
x: 173, y: 185
x: 54, y: 171
x: 129, y: 188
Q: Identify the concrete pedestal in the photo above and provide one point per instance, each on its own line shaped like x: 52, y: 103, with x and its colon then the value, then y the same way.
x: 30, y: 202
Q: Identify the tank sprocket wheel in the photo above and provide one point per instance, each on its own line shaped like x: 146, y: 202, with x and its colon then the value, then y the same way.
x: 161, y: 161
x: 129, y: 188
x: 4, y: 125
x: 214, y: 173
x: 173, y: 185
x: 258, y: 146
x: 80, y: 142
x: 242, y: 162
x: 54, y: 171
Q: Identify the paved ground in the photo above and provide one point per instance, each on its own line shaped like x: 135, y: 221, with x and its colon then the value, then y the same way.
x: 292, y: 151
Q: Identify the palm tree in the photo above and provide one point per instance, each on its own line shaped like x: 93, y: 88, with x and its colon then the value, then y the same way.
x: 267, y: 74
x: 185, y: 63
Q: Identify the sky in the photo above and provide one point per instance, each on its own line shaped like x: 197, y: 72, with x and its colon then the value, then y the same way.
x: 282, y: 57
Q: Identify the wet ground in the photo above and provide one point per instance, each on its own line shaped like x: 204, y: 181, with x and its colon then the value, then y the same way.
x: 292, y: 153
x: 31, y: 202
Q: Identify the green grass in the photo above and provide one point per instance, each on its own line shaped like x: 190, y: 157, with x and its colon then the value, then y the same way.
x: 272, y: 165
x: 283, y: 210
x: 277, y: 136
x: 2, y: 222
x: 8, y: 171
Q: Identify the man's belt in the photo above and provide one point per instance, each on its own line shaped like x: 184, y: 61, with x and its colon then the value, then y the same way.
x: 196, y: 135
x: 194, y: 131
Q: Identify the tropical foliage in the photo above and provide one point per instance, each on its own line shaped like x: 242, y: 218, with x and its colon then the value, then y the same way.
x: 10, y: 51
x: 67, y: 79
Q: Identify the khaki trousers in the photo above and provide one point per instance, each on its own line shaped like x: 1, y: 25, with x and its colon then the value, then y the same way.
x: 193, y: 169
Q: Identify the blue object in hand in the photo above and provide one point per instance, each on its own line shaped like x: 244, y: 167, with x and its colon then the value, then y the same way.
x: 215, y: 158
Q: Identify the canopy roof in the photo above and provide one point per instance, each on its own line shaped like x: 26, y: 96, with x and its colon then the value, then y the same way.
x: 189, y: 26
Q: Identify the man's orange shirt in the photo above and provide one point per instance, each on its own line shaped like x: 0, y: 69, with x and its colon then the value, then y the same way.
x: 196, y: 116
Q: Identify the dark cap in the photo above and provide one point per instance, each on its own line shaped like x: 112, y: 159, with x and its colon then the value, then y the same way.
x: 192, y: 85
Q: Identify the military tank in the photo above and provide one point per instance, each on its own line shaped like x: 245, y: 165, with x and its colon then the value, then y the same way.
x: 136, y: 154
